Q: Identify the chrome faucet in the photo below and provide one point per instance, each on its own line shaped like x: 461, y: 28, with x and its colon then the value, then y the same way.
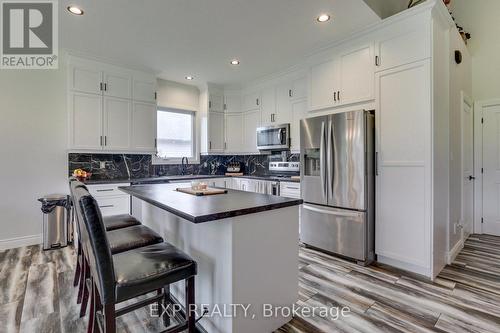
x: 184, y: 165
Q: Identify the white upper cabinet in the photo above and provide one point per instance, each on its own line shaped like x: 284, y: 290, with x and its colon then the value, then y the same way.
x: 298, y: 89
x: 144, y: 89
x: 324, y: 85
x: 110, y: 108
x: 232, y: 103
x: 251, y: 120
x: 251, y: 101
x: 283, y: 103
x: 144, y: 127
x: 216, y: 131
x: 87, y: 79
x: 117, y: 85
x: 85, y: 121
x: 356, y: 75
x: 268, y: 105
x: 216, y: 103
x: 398, y: 48
x: 347, y: 78
x: 234, y: 133
x: 117, y: 123
x: 298, y: 112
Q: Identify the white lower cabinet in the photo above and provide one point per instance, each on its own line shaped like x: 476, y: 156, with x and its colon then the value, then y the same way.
x: 111, y: 200
x: 290, y: 189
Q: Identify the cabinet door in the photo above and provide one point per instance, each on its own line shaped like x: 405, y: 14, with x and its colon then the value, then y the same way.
x: 117, y: 85
x: 232, y: 104
x: 398, y: 48
x: 324, y: 85
x: 117, y: 123
x: 298, y: 88
x: 299, y: 111
x: 85, y: 121
x: 216, y: 103
x: 85, y: 79
x: 251, y: 120
x: 403, y: 146
x: 144, y: 127
x: 356, y: 75
x: 283, y: 103
x: 234, y: 134
x: 251, y: 101
x: 144, y: 90
x: 216, y: 131
x: 268, y: 106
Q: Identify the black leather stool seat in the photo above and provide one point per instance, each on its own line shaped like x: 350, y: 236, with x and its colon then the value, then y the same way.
x: 125, y: 239
x: 114, y: 222
x: 148, y: 268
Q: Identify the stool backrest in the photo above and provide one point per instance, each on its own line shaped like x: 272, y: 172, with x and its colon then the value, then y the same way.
x: 99, y: 253
x: 73, y: 184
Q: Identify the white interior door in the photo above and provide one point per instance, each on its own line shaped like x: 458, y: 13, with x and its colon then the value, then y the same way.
x: 467, y: 165
x: 491, y: 167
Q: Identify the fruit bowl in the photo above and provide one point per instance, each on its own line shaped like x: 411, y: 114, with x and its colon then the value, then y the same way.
x: 81, y: 175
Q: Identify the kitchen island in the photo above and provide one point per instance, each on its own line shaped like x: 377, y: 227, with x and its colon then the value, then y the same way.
x: 246, y: 246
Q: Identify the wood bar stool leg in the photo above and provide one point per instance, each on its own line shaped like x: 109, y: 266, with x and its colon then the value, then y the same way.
x: 82, y: 280
x: 190, y: 313
x: 92, y: 310
x: 85, y: 296
x: 166, y: 302
x: 78, y: 266
x: 109, y: 318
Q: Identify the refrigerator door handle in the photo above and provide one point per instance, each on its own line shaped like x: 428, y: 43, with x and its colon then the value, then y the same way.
x: 331, y: 212
x: 329, y: 158
x: 322, y: 161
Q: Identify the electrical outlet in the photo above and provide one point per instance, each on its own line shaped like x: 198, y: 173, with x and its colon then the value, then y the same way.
x: 102, y: 165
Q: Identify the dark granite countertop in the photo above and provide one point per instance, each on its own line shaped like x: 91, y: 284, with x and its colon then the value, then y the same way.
x: 166, y: 179
x: 198, y: 209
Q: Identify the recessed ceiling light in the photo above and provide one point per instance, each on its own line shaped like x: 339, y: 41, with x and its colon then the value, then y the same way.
x: 75, y: 10
x: 235, y: 62
x: 323, y: 18
x: 189, y: 78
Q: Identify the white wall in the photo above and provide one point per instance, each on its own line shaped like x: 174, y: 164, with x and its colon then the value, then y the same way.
x: 33, y: 157
x: 178, y: 96
x: 481, y: 19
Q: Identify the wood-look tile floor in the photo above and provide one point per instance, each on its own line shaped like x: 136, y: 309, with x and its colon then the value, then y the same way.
x: 36, y: 294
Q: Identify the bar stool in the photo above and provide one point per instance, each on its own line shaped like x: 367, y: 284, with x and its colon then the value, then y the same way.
x: 124, y: 233
x: 126, y: 275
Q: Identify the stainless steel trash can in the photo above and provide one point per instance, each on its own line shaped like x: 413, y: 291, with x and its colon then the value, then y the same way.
x: 55, y: 208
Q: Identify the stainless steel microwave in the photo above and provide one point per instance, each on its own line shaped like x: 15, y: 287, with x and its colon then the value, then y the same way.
x: 275, y: 137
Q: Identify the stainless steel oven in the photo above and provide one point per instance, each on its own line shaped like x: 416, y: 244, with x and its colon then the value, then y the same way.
x: 273, y: 137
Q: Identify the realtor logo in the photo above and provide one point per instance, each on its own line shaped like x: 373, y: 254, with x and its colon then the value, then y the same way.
x: 29, y: 34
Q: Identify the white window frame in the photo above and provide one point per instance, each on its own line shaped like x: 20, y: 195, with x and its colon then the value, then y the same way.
x: 156, y: 160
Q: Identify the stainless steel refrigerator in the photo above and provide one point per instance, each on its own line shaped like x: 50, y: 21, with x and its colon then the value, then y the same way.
x: 337, y: 184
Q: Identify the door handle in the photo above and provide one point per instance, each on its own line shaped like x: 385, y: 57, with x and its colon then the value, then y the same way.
x: 376, y: 163
x: 331, y: 212
x: 322, y: 160
x: 334, y: 96
x: 472, y: 178
x: 329, y: 158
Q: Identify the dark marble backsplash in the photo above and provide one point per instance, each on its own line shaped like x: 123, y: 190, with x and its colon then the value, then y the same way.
x: 125, y: 166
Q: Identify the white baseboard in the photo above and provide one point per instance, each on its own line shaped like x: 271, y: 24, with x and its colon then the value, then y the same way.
x: 453, y: 253
x: 20, y: 241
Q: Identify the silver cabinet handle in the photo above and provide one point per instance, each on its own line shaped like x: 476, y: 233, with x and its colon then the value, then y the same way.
x: 377, y: 61
x: 107, y: 206
x: 100, y: 87
x: 257, y: 102
x: 334, y: 96
x: 338, y: 95
x: 106, y: 190
x: 101, y: 141
x: 290, y: 93
x: 376, y: 163
x: 105, y: 140
x: 210, y: 145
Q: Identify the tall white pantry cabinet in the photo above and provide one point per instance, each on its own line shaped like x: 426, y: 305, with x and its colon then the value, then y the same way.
x: 412, y: 96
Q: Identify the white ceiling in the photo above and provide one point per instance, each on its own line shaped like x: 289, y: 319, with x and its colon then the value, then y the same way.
x: 199, y: 37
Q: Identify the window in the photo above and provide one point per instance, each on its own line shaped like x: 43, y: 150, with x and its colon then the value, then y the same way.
x: 175, y: 134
